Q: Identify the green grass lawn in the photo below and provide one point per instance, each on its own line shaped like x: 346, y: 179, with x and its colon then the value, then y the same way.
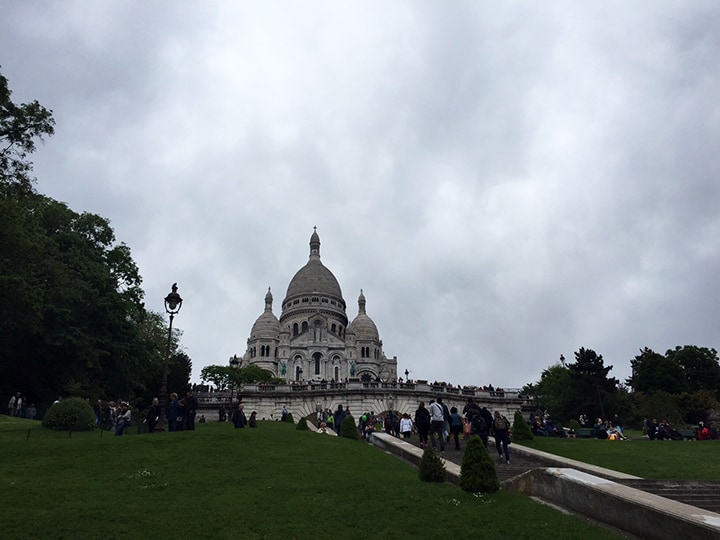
x: 219, y: 482
x: 675, y: 460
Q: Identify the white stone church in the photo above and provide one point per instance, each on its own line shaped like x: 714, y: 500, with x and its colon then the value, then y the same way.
x: 312, y: 340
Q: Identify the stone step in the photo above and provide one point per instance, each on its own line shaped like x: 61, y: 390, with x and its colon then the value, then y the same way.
x: 705, y: 495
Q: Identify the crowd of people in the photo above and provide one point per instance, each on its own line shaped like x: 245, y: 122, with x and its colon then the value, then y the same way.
x: 19, y: 407
x: 436, y: 425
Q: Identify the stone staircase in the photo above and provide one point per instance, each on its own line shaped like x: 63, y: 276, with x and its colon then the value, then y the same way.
x: 701, y: 494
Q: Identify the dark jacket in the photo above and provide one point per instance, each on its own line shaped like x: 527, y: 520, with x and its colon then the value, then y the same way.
x: 422, y: 417
x: 239, y: 419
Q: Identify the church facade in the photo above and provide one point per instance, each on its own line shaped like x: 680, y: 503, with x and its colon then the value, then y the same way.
x: 313, y: 340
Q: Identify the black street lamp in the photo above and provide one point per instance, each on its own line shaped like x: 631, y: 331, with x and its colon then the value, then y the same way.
x: 173, y: 303
x: 234, y: 363
x: 407, y: 374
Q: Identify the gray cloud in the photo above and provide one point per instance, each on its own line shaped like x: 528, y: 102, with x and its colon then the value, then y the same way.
x: 505, y: 183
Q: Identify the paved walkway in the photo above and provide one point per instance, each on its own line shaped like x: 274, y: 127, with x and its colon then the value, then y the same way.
x: 705, y: 495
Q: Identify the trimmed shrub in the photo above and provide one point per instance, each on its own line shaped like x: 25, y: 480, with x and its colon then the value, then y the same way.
x: 74, y: 414
x: 431, y: 467
x: 521, y: 429
x: 574, y: 425
x: 289, y: 418
x: 477, y: 472
x: 349, y: 428
x: 302, y: 425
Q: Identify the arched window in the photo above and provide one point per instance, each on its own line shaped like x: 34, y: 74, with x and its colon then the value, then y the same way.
x: 276, y: 352
x: 333, y: 328
x: 295, y: 329
x: 317, y: 357
x: 304, y: 326
x: 337, y: 373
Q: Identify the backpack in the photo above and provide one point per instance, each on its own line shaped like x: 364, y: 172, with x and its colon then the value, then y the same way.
x: 500, y: 423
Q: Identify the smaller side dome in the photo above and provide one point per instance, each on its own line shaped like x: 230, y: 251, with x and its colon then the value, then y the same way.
x: 267, y: 325
x: 363, y: 326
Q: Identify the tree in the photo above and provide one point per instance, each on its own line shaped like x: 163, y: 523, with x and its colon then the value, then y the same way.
x: 592, y: 389
x: 72, y: 318
x: 653, y: 372
x: 20, y: 125
x: 553, y: 392
x: 219, y: 376
x: 253, y: 374
x: 700, y: 366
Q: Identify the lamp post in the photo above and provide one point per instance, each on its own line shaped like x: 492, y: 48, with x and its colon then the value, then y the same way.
x: 407, y: 374
x: 234, y: 363
x: 173, y: 303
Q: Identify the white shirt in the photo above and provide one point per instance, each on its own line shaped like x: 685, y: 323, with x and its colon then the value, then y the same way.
x: 436, y: 412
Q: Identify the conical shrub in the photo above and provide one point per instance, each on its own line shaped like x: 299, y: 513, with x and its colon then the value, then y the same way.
x: 521, y: 429
x: 477, y: 472
x: 431, y: 467
x: 302, y: 425
x: 349, y: 429
x: 289, y: 418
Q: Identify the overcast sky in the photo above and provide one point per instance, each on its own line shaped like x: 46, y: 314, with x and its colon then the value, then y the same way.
x: 506, y: 181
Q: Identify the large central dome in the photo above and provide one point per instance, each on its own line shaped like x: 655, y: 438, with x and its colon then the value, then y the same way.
x: 314, y: 277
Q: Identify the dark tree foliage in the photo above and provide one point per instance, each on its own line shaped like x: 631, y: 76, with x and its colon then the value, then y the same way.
x: 73, y: 413
x: 431, y: 468
x: 477, y: 472
x: 72, y: 320
x: 700, y: 366
x: 349, y: 429
x: 653, y: 372
x: 554, y: 392
x: 520, y: 428
x: 592, y: 389
x: 20, y: 126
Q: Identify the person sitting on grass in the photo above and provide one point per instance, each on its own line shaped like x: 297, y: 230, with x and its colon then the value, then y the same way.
x: 703, y: 433
x: 123, y: 419
x: 553, y: 430
x: 613, y: 433
x: 538, y: 429
x: 253, y: 419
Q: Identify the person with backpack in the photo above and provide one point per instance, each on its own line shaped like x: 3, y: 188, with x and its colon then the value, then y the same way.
x: 501, y: 432
x: 479, y: 426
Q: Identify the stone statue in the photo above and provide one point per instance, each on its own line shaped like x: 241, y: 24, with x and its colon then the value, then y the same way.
x: 352, y: 368
x: 283, y: 368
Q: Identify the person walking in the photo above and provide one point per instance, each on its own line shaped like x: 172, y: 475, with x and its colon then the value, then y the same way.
x: 340, y: 416
x: 456, y: 426
x: 153, y: 415
x: 239, y: 419
x: 501, y: 432
x: 422, y: 423
x: 437, y: 424
x: 406, y: 426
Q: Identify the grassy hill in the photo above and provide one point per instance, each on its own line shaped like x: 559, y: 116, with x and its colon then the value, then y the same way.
x: 219, y: 482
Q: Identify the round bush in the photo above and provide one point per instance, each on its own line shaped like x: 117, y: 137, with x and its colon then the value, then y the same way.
x: 349, y: 429
x: 431, y: 467
x: 74, y: 414
x: 477, y: 472
x: 521, y: 429
x: 302, y: 425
